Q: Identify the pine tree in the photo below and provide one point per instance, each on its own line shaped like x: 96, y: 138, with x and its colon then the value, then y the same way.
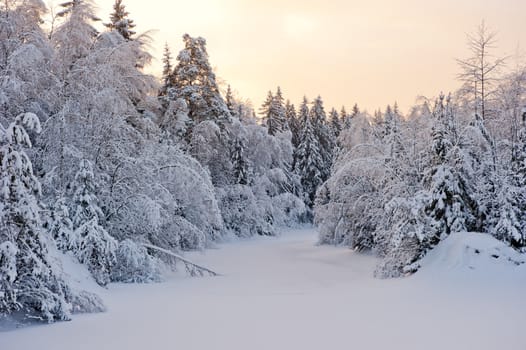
x: 28, y: 283
x: 120, y: 22
x: 96, y: 246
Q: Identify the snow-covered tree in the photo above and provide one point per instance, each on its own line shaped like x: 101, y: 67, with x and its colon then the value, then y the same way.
x: 452, y: 207
x: 26, y: 82
x: 326, y: 141
x: 239, y: 163
x: 120, y: 22
x: 335, y: 123
x: 310, y: 164
x: 280, y: 111
x: 193, y: 80
x: 480, y: 72
x: 133, y: 264
x: 60, y: 227
x: 268, y: 114
x: 76, y: 35
x: 293, y: 123
x: 506, y: 203
x: 96, y: 247
x: 231, y: 103
x: 175, y: 122
x: 274, y: 113
x: 167, y: 70
x: 29, y: 281
x: 243, y: 214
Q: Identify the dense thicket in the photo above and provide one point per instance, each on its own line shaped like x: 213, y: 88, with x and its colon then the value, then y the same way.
x: 400, y: 185
x: 120, y: 160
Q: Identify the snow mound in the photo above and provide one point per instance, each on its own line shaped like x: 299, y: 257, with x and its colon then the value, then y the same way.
x: 472, y: 251
x: 85, y: 291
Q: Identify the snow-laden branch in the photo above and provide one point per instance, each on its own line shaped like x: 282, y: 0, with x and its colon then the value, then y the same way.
x: 192, y: 268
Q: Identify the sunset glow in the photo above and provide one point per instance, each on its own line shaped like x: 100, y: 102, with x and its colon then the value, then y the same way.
x: 370, y: 53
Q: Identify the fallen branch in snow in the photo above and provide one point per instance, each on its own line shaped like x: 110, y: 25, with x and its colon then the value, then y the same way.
x: 191, y: 268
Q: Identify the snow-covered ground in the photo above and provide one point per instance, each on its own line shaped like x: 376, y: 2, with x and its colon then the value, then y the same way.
x: 287, y: 293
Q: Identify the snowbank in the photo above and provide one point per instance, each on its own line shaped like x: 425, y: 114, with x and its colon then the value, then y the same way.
x: 472, y: 253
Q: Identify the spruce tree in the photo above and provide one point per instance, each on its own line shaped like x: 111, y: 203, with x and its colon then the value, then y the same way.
x: 231, y: 103
x: 194, y: 80
x: 392, y: 137
x: 506, y: 219
x: 120, y: 22
x: 303, y: 116
x: 268, y: 112
x: 344, y: 119
x: 96, y: 247
x: 309, y: 164
x: 274, y: 113
x: 323, y: 135
x: 167, y: 71
x: 279, y: 110
x: 75, y: 37
x: 355, y: 111
x: 450, y: 206
x: 239, y: 163
x: 293, y: 123
x: 60, y: 227
x: 28, y: 282
x: 336, y: 126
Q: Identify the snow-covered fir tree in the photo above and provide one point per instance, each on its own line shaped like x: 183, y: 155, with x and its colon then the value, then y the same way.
x: 293, y: 123
x: 60, y: 226
x: 310, y: 163
x: 167, y: 70
x: 120, y: 22
x: 96, y: 248
x: 326, y: 140
x: 231, y: 103
x: 240, y: 166
x: 30, y: 282
x: 335, y: 123
x: 451, y: 206
x: 280, y: 111
x: 193, y: 80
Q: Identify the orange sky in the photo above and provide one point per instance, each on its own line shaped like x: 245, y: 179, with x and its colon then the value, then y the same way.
x: 371, y: 52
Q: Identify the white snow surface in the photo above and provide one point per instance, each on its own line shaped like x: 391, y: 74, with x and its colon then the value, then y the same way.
x: 288, y: 293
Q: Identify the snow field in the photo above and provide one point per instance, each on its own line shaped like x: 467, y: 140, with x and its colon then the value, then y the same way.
x: 288, y: 293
